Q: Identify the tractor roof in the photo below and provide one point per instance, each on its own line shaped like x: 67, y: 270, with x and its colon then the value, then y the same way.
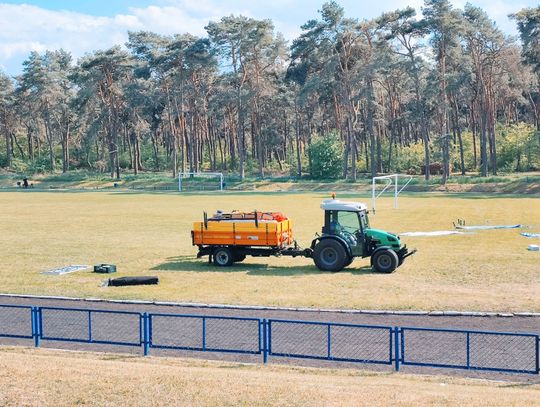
x: 337, y: 205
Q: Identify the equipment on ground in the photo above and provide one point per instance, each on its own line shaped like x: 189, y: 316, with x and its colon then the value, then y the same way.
x: 227, y: 238
x: 139, y: 280
x: 105, y: 268
x: 487, y: 227
x: 530, y: 234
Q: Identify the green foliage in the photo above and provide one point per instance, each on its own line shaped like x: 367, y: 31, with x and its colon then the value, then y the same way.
x: 238, y: 92
x: 326, y: 156
x: 3, y: 158
x: 408, y: 157
x: 519, y: 148
x: 528, y: 22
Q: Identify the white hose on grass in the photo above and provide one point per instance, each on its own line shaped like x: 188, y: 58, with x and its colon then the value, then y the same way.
x: 434, y: 233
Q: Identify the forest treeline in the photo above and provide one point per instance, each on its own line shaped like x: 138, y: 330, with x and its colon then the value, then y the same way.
x: 401, y: 92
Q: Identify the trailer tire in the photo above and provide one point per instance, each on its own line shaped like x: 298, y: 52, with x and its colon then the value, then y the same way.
x: 385, y: 261
x: 223, y: 257
x: 330, y: 255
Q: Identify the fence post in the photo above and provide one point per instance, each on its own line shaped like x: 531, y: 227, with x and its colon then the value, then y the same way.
x: 90, y: 326
x: 328, y: 343
x: 146, y: 333
x: 396, y: 348
x: 203, y: 333
x: 537, y: 354
x: 468, y: 350
x: 35, y: 327
x: 265, y: 340
x: 36, y: 323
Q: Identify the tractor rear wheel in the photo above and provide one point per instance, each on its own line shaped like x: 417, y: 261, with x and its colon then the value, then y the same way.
x: 385, y: 261
x: 330, y: 255
x: 223, y: 257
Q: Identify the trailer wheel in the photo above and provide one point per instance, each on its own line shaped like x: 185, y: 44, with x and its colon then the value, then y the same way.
x: 385, y: 261
x: 330, y: 255
x: 223, y: 257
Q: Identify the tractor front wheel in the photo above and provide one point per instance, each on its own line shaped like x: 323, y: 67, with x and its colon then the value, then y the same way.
x: 330, y: 255
x: 385, y: 261
x: 223, y: 257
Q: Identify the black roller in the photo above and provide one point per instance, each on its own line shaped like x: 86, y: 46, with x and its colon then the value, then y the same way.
x: 141, y: 280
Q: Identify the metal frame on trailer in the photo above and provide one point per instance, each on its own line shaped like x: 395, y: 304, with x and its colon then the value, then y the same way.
x: 388, y: 179
x: 204, y: 174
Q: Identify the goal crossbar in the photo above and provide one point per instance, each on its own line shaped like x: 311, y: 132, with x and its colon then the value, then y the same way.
x: 200, y: 174
x: 388, y: 179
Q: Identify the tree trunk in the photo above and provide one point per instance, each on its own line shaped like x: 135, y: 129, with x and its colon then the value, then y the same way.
x: 9, y: 149
x: 369, y: 127
x: 298, y: 152
x: 48, y: 135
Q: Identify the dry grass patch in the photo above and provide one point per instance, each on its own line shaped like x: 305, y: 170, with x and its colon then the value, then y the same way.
x: 30, y: 377
x: 149, y: 234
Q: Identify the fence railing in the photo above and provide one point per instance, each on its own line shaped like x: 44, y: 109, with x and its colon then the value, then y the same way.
x: 337, y: 342
x: 466, y: 349
x: 330, y: 341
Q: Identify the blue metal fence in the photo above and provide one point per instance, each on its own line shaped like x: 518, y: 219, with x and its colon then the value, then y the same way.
x: 90, y: 326
x: 17, y: 321
x: 338, y: 342
x: 206, y: 333
x: 330, y: 341
x: 467, y: 349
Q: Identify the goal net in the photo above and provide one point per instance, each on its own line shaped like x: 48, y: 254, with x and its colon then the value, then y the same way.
x: 395, y: 183
x: 200, y: 181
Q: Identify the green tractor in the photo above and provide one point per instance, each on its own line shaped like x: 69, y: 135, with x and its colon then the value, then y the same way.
x: 346, y: 234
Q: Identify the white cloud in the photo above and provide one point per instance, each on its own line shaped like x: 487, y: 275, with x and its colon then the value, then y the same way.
x: 25, y: 28
x: 28, y: 28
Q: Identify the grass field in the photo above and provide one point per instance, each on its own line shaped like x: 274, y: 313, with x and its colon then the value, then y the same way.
x: 148, y: 234
x: 43, y: 377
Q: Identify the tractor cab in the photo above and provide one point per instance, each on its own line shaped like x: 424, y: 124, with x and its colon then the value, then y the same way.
x: 346, y: 234
x: 348, y: 221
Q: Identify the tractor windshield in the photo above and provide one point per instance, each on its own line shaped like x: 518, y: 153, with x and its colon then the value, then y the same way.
x: 348, y: 221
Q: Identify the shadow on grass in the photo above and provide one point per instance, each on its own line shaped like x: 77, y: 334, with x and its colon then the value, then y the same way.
x: 192, y: 264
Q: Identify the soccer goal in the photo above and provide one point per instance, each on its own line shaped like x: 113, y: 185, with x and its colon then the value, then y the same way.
x: 200, y: 181
x: 389, y: 181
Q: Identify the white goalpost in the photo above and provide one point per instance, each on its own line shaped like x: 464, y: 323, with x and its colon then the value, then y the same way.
x: 183, y: 175
x: 389, y: 181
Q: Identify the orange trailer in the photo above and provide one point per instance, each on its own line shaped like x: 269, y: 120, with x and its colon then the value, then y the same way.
x: 271, y: 229
x: 229, y: 237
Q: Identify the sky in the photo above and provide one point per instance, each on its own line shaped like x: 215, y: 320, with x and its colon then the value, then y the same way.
x: 82, y: 26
